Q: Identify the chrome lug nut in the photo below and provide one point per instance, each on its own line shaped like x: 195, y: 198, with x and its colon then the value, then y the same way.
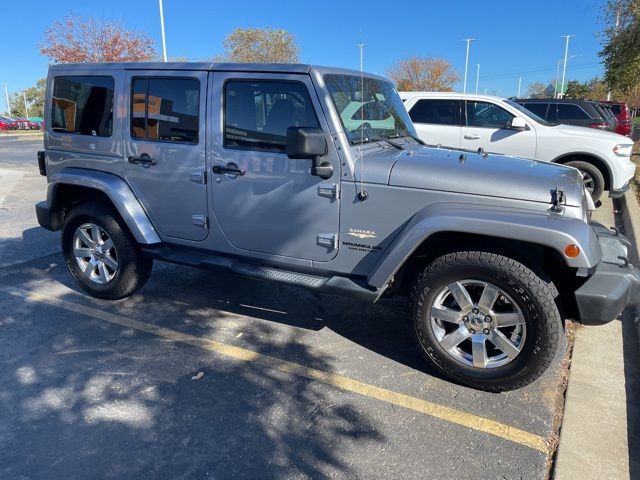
x: 485, y: 331
x: 475, y: 310
x: 488, y: 319
x: 472, y: 331
x: 465, y: 319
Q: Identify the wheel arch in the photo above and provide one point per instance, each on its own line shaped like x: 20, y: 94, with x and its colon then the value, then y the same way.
x: 595, y: 160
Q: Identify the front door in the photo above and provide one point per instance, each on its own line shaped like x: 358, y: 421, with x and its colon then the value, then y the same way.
x: 486, y: 127
x: 165, y: 149
x: 271, y: 204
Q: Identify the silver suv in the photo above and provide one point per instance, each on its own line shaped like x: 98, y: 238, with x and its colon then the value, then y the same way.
x: 315, y: 177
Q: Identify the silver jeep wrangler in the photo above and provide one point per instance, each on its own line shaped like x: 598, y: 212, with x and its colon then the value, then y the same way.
x: 314, y: 176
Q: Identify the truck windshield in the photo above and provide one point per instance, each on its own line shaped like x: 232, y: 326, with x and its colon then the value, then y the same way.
x: 369, y: 108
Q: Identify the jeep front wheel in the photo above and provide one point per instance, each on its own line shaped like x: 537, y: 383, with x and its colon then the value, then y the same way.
x: 101, y: 255
x: 485, y: 320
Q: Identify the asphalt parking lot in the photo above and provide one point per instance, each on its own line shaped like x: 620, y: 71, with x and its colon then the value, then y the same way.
x: 209, y: 375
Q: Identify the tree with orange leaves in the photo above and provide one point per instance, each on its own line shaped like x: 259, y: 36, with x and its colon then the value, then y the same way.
x: 423, y: 74
x: 90, y: 40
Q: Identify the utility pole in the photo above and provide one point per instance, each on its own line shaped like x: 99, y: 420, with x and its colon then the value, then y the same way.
x: 519, y: 85
x: 616, y: 30
x: 361, y: 47
x: 466, y: 63
x: 6, y: 95
x: 477, y: 77
x: 566, y: 54
x: 164, y: 42
x: 485, y: 90
x: 26, y: 107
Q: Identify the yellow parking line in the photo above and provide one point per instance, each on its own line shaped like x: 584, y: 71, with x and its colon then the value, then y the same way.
x: 428, y: 408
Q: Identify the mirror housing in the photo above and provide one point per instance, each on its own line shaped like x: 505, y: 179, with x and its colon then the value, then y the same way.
x: 309, y: 143
x: 518, y: 123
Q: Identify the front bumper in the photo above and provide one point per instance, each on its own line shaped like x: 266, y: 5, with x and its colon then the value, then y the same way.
x: 617, y: 193
x: 613, y: 286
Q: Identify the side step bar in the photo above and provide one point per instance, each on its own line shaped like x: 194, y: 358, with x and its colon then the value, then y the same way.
x: 336, y: 285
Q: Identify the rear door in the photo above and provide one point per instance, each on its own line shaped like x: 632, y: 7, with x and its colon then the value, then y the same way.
x: 165, y: 149
x: 486, y: 126
x: 437, y: 121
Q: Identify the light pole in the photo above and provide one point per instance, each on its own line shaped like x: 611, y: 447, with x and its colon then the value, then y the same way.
x: 26, y: 108
x: 519, y: 85
x: 164, y: 43
x: 566, y: 54
x: 361, y: 47
x: 477, y: 76
x: 466, y: 64
x: 6, y: 96
x: 555, y: 85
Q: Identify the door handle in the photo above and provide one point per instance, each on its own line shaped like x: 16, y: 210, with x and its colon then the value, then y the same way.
x: 144, y: 159
x: 472, y: 136
x: 229, y: 169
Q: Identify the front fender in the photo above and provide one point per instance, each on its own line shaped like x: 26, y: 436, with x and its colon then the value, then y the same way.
x: 114, y: 187
x: 547, y: 229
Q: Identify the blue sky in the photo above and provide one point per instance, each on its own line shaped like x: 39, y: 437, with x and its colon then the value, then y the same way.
x: 513, y: 38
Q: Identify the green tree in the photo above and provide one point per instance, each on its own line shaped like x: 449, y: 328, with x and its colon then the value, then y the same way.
x: 575, y: 89
x: 260, y: 45
x: 35, y: 100
x: 423, y: 74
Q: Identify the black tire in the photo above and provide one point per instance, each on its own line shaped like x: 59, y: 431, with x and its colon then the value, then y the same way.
x: 535, y: 297
x: 594, y: 177
x: 133, y: 269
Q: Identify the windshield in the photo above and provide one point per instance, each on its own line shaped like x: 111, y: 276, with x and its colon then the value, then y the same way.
x: 374, y: 111
x: 530, y: 114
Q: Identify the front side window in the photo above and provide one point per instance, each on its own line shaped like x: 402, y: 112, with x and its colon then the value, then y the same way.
x: 368, y: 107
x: 437, y: 112
x: 258, y: 113
x: 486, y: 115
x: 83, y: 105
x: 165, y: 109
x: 568, y: 111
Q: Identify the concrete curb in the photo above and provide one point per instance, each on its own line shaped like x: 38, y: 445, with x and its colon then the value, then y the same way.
x: 631, y: 219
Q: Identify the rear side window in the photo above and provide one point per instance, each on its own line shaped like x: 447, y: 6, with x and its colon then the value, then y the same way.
x: 540, y: 109
x: 83, y: 105
x: 568, y: 111
x: 258, y: 113
x: 165, y: 109
x: 438, y: 112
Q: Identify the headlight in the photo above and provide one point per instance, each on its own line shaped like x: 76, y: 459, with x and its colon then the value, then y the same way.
x: 623, y: 150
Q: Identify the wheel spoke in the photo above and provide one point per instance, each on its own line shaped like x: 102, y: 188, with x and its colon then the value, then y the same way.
x: 95, y: 234
x: 446, y: 314
x: 508, y: 319
x: 82, y: 252
x: 104, y: 275
x: 488, y: 297
x: 503, y: 343
x: 454, y: 338
x: 479, y: 351
x: 88, y: 269
x: 85, y: 238
x: 461, y: 295
x: 107, y: 245
x: 110, y: 262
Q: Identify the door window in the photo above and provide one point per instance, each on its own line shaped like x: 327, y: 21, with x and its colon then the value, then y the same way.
x: 569, y: 111
x: 540, y: 109
x: 437, y: 112
x: 257, y: 114
x: 486, y: 115
x: 83, y: 105
x: 165, y: 109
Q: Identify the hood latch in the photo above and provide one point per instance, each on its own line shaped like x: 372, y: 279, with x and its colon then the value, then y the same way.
x: 557, y: 200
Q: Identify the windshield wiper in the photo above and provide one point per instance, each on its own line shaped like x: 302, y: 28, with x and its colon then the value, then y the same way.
x: 377, y: 138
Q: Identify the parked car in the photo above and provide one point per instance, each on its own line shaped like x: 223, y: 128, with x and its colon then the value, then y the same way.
x: 498, y: 125
x: 26, y: 124
x: 582, y: 113
x: 621, y: 111
x: 7, y: 123
x: 251, y: 168
x: 608, y: 114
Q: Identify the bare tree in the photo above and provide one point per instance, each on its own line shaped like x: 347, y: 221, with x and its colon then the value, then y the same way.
x: 77, y: 39
x: 423, y: 73
x: 261, y: 45
x: 536, y: 90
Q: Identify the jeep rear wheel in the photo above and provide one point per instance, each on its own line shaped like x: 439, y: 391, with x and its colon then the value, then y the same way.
x: 485, y: 320
x: 100, y: 253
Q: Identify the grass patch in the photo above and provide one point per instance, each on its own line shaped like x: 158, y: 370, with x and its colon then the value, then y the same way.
x: 635, y: 183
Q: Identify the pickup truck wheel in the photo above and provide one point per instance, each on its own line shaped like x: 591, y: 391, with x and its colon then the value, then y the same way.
x: 486, y: 320
x: 592, y: 178
x: 100, y: 253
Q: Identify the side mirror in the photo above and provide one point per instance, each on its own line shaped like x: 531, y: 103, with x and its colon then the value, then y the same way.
x: 309, y: 143
x: 518, y: 123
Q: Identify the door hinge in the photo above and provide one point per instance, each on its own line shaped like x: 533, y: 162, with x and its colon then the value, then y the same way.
x: 329, y: 190
x: 329, y: 240
x: 200, y: 221
x: 198, y: 176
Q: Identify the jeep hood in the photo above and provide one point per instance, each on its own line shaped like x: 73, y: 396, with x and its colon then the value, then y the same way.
x: 471, y: 173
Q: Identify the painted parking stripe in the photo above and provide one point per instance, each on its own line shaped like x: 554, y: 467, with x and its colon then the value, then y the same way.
x: 442, y: 412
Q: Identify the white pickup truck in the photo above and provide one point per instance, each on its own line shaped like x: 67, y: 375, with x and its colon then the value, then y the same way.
x: 498, y: 125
